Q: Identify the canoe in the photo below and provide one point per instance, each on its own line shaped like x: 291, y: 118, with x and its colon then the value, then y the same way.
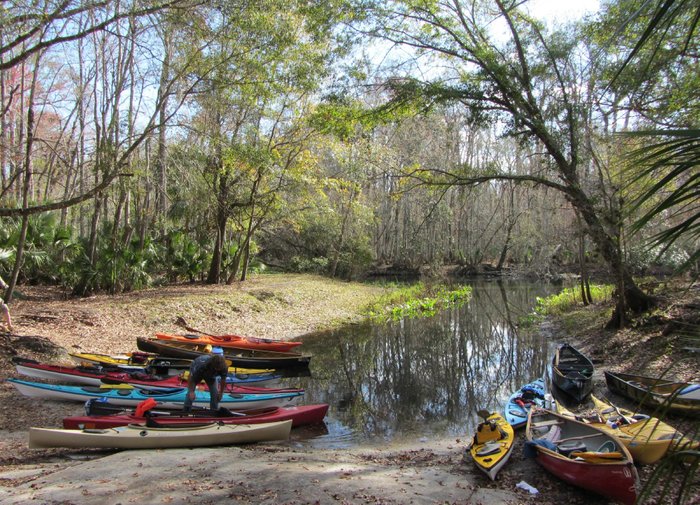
x: 648, y: 439
x: 300, y: 415
x: 657, y: 393
x: 95, y: 375
x: 142, y: 437
x: 234, y: 341
x: 518, y: 405
x: 172, y: 398
x: 572, y: 372
x: 492, y: 444
x: 239, y: 357
x: 150, y: 363
x: 582, y: 455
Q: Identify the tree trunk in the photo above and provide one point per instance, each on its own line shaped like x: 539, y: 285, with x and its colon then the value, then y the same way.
x: 26, y: 186
x: 629, y: 295
x: 161, y: 164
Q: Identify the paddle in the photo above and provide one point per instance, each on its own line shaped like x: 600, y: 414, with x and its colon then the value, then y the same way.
x: 483, y: 413
x: 180, y: 321
x: 624, y: 417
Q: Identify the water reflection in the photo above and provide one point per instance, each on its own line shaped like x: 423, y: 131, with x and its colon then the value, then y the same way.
x: 424, y: 377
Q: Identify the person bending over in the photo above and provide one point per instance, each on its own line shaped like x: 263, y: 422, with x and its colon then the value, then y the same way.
x: 212, y: 369
x: 4, y: 309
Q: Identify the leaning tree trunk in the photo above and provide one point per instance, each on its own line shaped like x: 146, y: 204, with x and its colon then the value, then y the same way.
x: 630, y: 296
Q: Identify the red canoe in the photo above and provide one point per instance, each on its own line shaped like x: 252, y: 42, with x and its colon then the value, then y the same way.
x: 235, y: 341
x: 300, y: 415
x: 582, y: 455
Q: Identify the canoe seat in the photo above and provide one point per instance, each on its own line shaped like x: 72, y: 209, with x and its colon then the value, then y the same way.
x: 551, y: 435
x: 574, y: 367
x: 489, y: 448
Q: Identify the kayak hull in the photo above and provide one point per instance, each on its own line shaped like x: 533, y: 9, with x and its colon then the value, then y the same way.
x: 300, y: 415
x: 490, y: 456
x: 521, y: 401
x: 167, y: 399
x: 239, y: 357
x: 96, y: 376
x: 233, y: 341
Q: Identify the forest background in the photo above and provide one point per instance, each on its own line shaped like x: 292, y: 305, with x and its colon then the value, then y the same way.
x: 146, y: 142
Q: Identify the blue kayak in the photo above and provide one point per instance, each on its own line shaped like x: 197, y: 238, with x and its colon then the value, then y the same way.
x: 518, y: 405
x: 171, y: 398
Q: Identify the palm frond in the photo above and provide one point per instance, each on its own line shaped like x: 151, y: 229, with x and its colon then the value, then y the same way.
x: 671, y: 160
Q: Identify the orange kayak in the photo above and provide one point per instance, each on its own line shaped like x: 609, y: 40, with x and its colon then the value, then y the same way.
x: 235, y: 341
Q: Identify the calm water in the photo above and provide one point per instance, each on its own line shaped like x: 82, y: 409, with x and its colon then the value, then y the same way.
x: 423, y: 378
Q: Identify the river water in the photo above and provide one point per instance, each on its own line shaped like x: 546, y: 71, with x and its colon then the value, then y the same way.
x: 427, y: 377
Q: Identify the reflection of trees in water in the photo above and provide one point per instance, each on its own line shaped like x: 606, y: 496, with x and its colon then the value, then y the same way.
x: 421, y: 374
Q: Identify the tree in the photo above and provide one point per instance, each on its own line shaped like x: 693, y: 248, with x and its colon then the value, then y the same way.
x: 530, y: 82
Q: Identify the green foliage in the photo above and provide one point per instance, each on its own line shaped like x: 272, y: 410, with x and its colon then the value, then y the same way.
x: 316, y: 265
x: 666, y: 170
x: 417, y: 300
x: 571, y: 297
x: 641, y: 257
x: 185, y: 258
x: 48, y: 245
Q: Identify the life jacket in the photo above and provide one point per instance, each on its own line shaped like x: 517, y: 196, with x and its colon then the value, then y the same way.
x: 144, y: 407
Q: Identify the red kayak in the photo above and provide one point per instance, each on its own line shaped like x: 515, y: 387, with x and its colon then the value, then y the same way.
x: 300, y: 415
x: 97, y: 376
x: 235, y: 341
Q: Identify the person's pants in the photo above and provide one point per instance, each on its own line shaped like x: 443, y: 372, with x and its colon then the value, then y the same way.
x: 213, y: 385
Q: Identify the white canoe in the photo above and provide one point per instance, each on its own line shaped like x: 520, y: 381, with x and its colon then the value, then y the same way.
x: 136, y: 436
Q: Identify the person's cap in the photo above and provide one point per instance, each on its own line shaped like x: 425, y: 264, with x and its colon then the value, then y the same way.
x: 217, y: 350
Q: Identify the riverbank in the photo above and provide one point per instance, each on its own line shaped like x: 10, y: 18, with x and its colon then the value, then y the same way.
x: 285, y: 306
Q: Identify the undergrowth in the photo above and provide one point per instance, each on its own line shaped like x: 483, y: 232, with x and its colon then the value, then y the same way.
x: 417, y: 300
x: 565, y: 302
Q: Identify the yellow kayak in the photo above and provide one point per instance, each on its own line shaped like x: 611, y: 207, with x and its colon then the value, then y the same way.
x: 492, y: 444
x: 648, y: 439
x: 141, y: 360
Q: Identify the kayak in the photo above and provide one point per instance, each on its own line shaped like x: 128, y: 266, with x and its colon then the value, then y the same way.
x: 647, y: 438
x: 239, y: 357
x: 518, y: 405
x: 172, y: 398
x: 657, y: 392
x: 95, y: 375
x: 299, y: 415
x: 235, y: 341
x: 151, y: 363
x: 572, y: 372
x: 143, y: 437
x: 582, y: 455
x: 492, y: 444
